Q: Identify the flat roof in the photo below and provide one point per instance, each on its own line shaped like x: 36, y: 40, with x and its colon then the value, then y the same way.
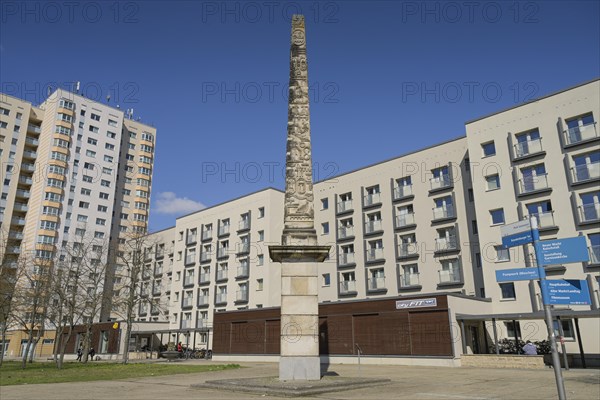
x: 532, y: 101
x: 530, y: 315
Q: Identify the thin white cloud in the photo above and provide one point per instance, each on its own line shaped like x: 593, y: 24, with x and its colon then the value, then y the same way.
x: 169, y: 203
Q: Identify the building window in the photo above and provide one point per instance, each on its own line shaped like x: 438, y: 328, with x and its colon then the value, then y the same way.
x: 325, y: 228
x: 260, y: 260
x: 261, y: 236
x: 474, y: 227
x: 502, y: 254
x: 324, y: 203
x: 261, y: 212
x: 497, y: 216
x: 508, y: 291
x: 326, y: 279
x: 510, y: 329
x: 489, y: 149
x: 259, y: 284
x: 567, y: 327
x: 492, y: 182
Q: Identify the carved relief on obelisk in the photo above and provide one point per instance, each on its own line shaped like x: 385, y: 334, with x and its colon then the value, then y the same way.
x: 299, y: 213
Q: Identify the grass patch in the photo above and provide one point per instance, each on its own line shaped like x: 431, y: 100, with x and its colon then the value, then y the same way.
x: 46, y: 372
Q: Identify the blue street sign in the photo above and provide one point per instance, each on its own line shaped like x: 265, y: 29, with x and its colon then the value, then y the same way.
x: 562, y: 251
x: 517, y: 274
x: 516, y: 234
x: 571, y: 292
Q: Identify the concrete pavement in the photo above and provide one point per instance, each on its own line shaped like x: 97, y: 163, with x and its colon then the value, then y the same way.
x: 407, y: 383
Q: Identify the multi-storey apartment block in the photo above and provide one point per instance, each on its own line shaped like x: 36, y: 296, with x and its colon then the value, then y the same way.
x: 73, y: 169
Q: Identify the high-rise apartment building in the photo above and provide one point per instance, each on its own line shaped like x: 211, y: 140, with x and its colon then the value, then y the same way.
x: 73, y: 169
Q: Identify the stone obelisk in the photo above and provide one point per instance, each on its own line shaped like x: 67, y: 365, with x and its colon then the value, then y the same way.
x: 299, y: 253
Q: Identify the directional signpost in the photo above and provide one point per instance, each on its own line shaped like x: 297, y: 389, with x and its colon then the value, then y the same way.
x: 571, y: 292
x: 517, y: 274
x: 516, y: 234
x: 562, y: 251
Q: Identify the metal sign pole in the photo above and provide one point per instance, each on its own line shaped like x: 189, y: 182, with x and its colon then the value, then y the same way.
x: 560, y: 384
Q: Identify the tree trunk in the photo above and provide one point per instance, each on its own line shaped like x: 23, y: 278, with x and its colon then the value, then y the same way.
x: 3, y: 340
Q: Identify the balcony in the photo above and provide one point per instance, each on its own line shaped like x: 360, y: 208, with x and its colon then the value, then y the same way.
x: 533, y: 184
x: 402, y: 192
x: 443, y: 213
x: 190, y: 259
x: 441, y: 182
x: 156, y: 290
x: 207, y: 234
x: 32, y: 141
x: 160, y: 252
x: 445, y: 244
x: 25, y: 180
x: 589, y: 213
x: 376, y: 284
x: 15, y: 235
x: 241, y: 296
x: 204, y: 278
x: 29, y: 154
x: 20, y: 207
x: 34, y: 128
x: 344, y: 206
x: 407, y: 250
x: 221, y: 275
x: 545, y: 220
x: 223, y: 230
x: 244, y: 225
x: 17, y: 221
x: 191, y: 239
x: 375, y: 254
x: 28, y: 167
x: 581, y: 134
x: 223, y: 252
x: 347, y: 287
x: 373, y: 227
x: 450, y: 277
x: 158, y: 271
x: 585, y: 172
x: 188, y: 280
x: 345, y: 232
x: 409, y: 280
x: 221, y: 298
x: 372, y: 199
x: 187, y: 302
x: 202, y: 323
x: 13, y: 249
x: 202, y: 301
x: 242, y: 272
x: 528, y: 148
x: 405, y: 220
x: 186, y: 323
x: 243, y: 248
x: 346, y: 259
x: 205, y: 256
x: 594, y: 255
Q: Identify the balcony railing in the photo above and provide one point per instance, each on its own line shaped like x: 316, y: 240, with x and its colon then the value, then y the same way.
x: 15, y: 235
x: 188, y: 280
x: 401, y: 192
x: 377, y: 283
x: 191, y: 239
x: 203, y: 300
x: 20, y: 207
x: 221, y: 274
x: 187, y: 302
x: 409, y: 279
x: 25, y: 180
x: 13, y: 249
x: 345, y: 232
x: 223, y: 230
x: 17, y: 221
x: 29, y: 154
x: 346, y: 258
x: 446, y: 243
x: 375, y: 254
x: 205, y: 256
x: 372, y: 198
x: 586, y: 172
x: 407, y: 249
x: 158, y: 270
x: 443, y: 212
x: 28, y: 167
x: 207, y: 234
x: 244, y: 225
x: 347, y: 287
x: 204, y: 278
x: 440, y: 182
x: 34, y: 128
x: 189, y: 259
x: 202, y: 323
x: 156, y: 290
x: 403, y: 220
x: 222, y: 252
x: 373, y: 226
x: 581, y: 133
x: 243, y: 248
x: 589, y: 212
x: 241, y: 295
x: 545, y: 219
x: 344, y: 205
x: 221, y: 298
x: 32, y: 141
x: 527, y: 148
x: 242, y: 271
x: 533, y: 183
x: 186, y: 323
x: 450, y: 276
x: 594, y: 254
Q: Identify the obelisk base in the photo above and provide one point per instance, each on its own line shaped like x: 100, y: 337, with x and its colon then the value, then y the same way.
x: 299, y: 368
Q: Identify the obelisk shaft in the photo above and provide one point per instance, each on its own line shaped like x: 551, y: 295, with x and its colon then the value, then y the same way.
x: 299, y: 227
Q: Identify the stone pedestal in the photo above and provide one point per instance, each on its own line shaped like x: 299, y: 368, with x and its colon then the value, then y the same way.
x: 299, y: 310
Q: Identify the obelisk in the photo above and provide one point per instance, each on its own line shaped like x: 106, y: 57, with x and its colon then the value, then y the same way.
x: 299, y: 253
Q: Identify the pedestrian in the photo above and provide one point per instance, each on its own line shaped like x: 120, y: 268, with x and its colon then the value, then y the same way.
x: 91, y: 353
x: 179, y: 347
x: 530, y: 349
x: 79, y: 353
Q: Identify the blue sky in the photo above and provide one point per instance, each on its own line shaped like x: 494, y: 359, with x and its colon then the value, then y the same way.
x: 387, y: 77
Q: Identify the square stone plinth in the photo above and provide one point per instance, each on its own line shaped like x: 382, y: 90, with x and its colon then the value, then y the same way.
x: 299, y: 368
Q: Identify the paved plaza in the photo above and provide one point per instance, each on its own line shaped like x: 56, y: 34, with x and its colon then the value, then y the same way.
x: 406, y: 383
